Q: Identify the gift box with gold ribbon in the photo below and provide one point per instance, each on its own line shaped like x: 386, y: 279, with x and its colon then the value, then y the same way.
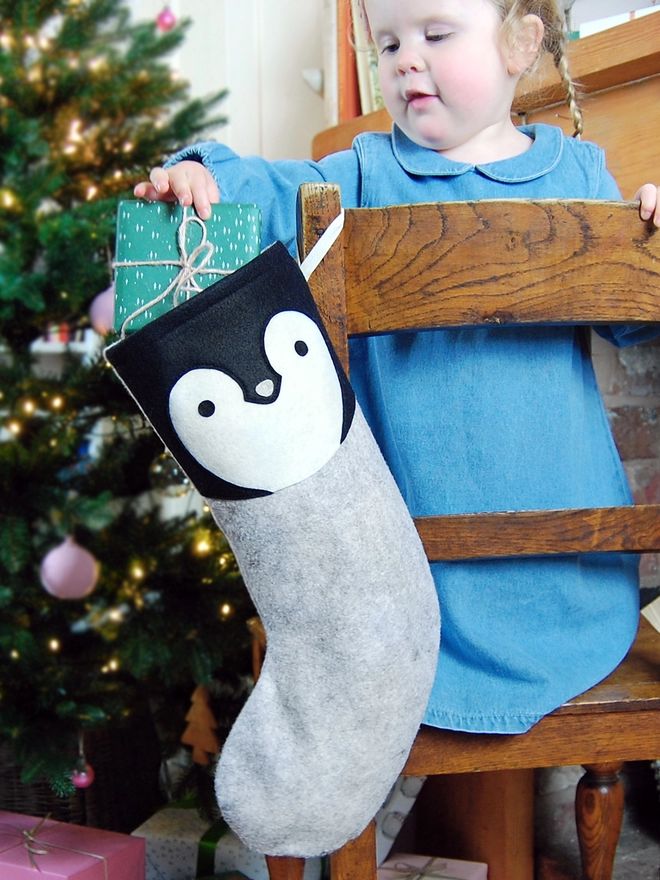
x: 31, y: 848
x: 165, y: 254
x: 405, y: 866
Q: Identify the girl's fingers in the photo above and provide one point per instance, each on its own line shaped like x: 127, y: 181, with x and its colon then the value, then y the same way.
x: 188, y: 183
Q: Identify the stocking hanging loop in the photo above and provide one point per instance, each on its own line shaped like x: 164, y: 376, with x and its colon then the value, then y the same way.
x: 322, y: 246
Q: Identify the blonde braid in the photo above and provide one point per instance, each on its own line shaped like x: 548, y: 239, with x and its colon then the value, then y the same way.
x: 561, y: 63
x: 554, y: 42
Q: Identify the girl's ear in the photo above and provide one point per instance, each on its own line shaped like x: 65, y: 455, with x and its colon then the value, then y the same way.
x: 525, y: 43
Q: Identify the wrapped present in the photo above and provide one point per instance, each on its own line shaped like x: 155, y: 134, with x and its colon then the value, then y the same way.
x: 165, y: 254
x: 404, y: 866
x: 41, y: 848
x: 181, y: 846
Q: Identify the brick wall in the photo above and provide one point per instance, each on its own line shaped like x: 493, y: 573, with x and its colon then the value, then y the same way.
x: 629, y: 379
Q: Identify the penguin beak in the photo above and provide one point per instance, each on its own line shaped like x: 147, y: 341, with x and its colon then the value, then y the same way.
x: 266, y: 390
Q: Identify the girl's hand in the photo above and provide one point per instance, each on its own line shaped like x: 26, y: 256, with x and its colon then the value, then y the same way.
x: 187, y: 182
x: 649, y: 202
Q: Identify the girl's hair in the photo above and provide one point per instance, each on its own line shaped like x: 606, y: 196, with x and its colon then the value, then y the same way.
x: 552, y: 15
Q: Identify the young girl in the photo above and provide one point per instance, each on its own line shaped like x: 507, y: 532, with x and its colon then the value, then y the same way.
x: 476, y: 419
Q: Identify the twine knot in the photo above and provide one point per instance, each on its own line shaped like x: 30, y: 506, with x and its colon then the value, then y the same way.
x: 190, y: 266
x: 27, y: 837
x: 407, y: 871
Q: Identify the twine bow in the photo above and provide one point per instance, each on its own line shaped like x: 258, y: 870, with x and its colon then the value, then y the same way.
x: 36, y: 847
x: 190, y: 266
x: 418, y: 872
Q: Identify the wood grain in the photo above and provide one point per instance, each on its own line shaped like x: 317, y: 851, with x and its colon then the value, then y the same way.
x: 285, y: 868
x: 598, y: 817
x: 318, y: 205
x: 634, y: 529
x: 357, y: 859
x: 499, y: 262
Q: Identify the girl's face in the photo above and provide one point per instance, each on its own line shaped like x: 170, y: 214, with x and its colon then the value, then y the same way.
x: 447, y: 75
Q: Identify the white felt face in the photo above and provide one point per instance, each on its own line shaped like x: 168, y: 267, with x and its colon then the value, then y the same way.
x: 272, y: 445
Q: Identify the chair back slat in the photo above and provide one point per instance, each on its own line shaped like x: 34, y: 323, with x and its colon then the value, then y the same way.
x: 482, y: 263
x: 634, y: 529
x: 499, y: 262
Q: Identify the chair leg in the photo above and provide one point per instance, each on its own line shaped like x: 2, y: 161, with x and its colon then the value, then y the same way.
x: 599, y: 815
x: 285, y: 868
x: 356, y: 860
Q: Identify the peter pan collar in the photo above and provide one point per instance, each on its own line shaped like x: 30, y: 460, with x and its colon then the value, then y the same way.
x: 541, y: 158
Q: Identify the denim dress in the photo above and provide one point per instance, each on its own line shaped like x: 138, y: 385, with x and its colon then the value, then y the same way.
x: 484, y: 419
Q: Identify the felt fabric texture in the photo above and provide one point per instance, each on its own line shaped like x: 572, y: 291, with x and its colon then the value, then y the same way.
x: 341, y: 583
x: 323, y: 539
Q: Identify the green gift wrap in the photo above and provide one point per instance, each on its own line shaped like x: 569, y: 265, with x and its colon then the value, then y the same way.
x: 165, y: 254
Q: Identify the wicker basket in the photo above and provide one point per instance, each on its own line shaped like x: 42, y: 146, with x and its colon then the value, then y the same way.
x: 125, y: 790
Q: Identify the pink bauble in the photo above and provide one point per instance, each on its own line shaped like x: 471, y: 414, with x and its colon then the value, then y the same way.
x: 69, y: 571
x: 102, y: 311
x: 83, y: 777
x: 166, y: 20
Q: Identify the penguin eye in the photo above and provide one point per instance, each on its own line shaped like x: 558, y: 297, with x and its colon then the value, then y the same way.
x: 301, y: 348
x: 206, y: 409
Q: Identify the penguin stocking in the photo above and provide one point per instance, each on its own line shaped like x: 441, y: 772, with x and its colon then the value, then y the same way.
x: 243, y: 387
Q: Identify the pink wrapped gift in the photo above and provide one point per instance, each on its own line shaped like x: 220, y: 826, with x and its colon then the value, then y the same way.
x: 41, y: 849
x: 404, y: 866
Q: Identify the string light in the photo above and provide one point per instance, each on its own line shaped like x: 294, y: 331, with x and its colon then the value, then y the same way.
x: 74, y: 134
x: 116, y: 615
x: 225, y: 610
x: 29, y: 407
x: 138, y: 572
x: 57, y: 402
x: 203, y: 546
x: 7, y: 198
x: 91, y: 192
x: 54, y: 645
x: 73, y: 137
x: 14, y: 654
x: 111, y: 666
x: 14, y: 427
x: 96, y: 64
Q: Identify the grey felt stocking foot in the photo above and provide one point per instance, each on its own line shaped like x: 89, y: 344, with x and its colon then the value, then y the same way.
x: 243, y: 387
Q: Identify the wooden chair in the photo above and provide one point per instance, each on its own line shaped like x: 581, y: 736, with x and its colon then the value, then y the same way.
x: 422, y: 266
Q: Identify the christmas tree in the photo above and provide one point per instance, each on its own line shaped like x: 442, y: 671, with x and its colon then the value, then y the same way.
x: 107, y: 604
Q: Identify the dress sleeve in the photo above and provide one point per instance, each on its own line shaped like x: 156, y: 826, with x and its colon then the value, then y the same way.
x: 273, y: 186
